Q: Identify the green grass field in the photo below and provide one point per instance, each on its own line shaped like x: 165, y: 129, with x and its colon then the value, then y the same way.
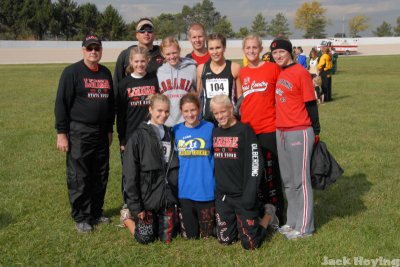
x: 356, y: 217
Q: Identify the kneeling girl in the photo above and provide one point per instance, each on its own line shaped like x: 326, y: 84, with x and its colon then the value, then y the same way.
x: 196, y: 172
x: 151, y: 170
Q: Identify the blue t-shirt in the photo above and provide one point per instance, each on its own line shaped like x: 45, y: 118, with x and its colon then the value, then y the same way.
x: 302, y: 60
x: 196, y: 179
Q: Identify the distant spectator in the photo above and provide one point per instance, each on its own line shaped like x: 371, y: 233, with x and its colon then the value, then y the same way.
x: 313, y: 65
x: 334, y: 60
x: 267, y: 57
x: 317, y: 81
x: 245, y: 61
x: 301, y: 57
x: 319, y: 53
x: 324, y: 68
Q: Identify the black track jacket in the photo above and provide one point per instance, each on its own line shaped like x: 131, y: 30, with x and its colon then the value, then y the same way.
x: 150, y: 182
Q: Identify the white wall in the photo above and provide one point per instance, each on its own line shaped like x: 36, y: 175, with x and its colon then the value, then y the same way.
x: 184, y: 44
x: 37, y: 52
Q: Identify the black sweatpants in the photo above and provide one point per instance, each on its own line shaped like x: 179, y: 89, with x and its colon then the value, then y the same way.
x: 234, y: 221
x: 271, y: 185
x: 87, y: 170
x: 197, y: 218
x: 326, y: 84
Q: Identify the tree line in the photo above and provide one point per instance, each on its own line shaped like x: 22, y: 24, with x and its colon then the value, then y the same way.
x: 66, y: 20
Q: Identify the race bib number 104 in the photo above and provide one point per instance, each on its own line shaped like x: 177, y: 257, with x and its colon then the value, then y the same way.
x: 217, y: 86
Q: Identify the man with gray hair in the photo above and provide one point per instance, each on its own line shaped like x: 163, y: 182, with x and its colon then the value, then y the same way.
x: 84, y: 111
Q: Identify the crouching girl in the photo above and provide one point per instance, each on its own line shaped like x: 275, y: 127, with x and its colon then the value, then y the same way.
x: 151, y: 170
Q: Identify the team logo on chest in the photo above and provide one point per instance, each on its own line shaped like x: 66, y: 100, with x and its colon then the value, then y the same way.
x: 253, y: 87
x: 138, y: 96
x: 97, y: 88
x: 175, y: 84
x: 226, y: 147
x: 192, y: 147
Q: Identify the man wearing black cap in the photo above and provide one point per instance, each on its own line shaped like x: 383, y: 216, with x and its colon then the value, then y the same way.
x: 84, y: 112
x: 145, y: 35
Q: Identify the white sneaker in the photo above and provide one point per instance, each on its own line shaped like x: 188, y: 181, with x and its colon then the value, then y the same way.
x: 296, y: 234
x: 125, y: 214
x: 285, y: 229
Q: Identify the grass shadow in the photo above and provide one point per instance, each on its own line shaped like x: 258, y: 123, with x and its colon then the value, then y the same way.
x: 340, y: 71
x: 5, y: 219
x: 339, y: 97
x: 112, y: 212
x: 342, y: 199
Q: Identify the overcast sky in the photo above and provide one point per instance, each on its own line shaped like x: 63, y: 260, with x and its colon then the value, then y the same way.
x: 241, y: 13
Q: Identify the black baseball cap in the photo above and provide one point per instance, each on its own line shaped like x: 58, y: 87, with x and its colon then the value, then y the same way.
x: 91, y: 39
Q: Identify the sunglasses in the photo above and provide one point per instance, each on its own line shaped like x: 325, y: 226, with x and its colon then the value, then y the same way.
x: 91, y: 48
x: 144, y: 31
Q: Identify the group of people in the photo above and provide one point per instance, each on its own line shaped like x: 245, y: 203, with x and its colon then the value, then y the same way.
x: 322, y: 65
x: 207, y: 147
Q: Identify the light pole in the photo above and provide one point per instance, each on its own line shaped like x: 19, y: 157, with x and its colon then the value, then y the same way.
x: 342, y: 26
